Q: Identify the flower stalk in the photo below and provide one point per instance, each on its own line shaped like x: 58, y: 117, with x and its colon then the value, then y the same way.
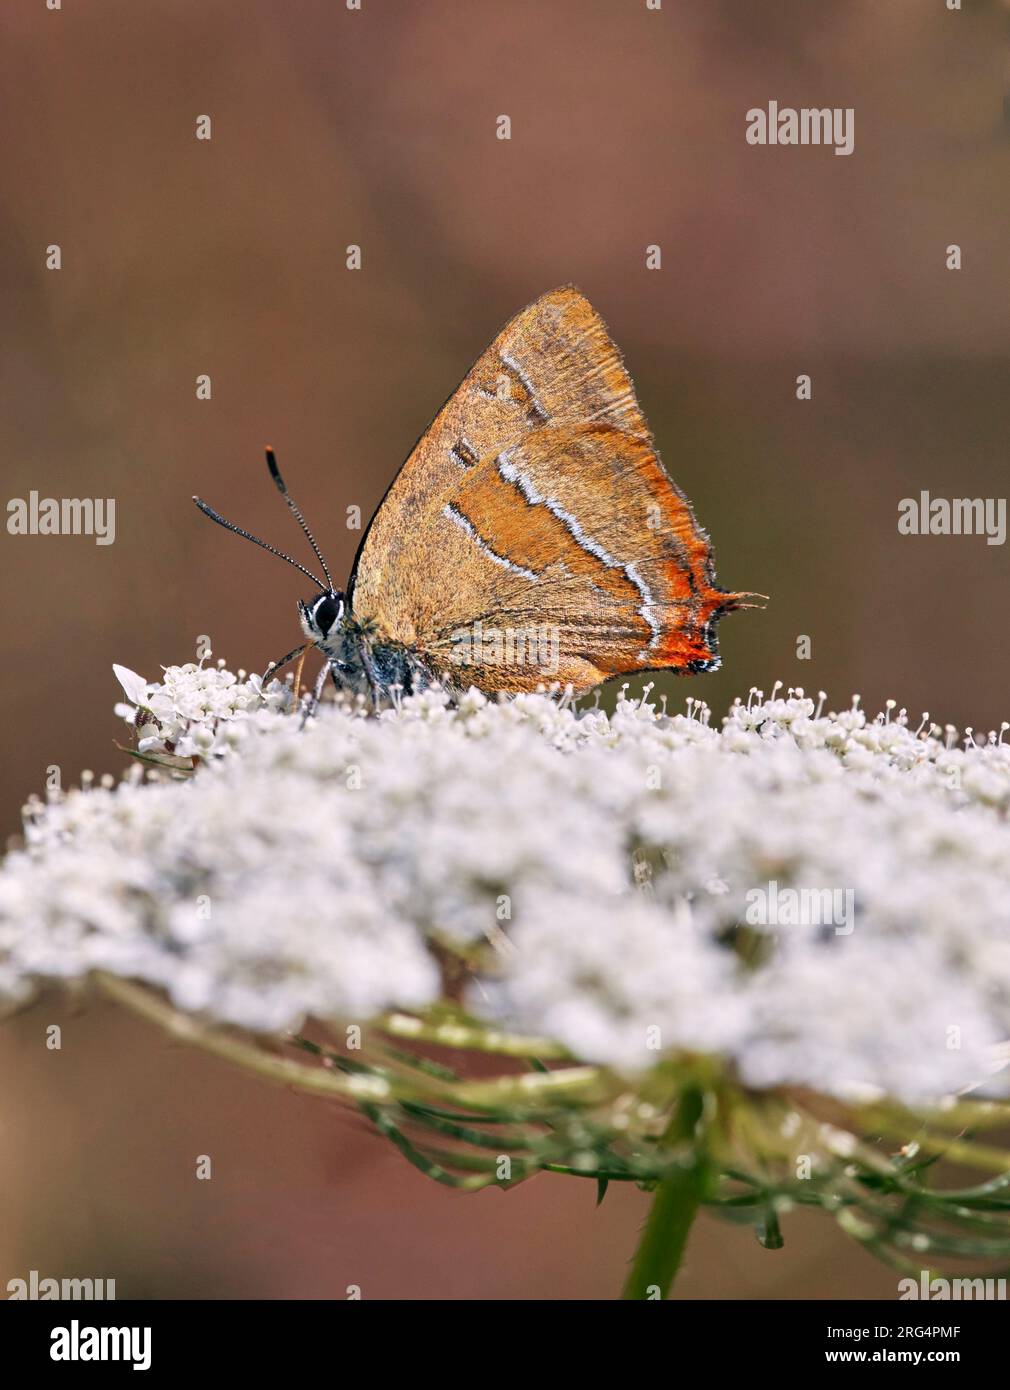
x: 675, y: 1205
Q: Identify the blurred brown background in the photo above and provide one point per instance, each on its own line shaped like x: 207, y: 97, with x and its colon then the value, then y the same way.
x: 227, y: 257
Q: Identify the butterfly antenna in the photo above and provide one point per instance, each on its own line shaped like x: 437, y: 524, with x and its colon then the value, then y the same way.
x: 230, y: 526
x: 282, y: 488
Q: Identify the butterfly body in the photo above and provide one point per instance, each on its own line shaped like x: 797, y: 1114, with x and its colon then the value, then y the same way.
x: 359, y: 659
x: 532, y: 534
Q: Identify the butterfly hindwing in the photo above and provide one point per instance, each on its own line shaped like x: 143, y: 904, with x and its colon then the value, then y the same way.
x: 535, y: 512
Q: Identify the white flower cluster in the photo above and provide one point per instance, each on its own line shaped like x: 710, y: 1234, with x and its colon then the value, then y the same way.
x: 194, y: 711
x: 821, y: 899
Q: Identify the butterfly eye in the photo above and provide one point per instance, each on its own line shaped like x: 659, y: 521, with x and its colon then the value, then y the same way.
x: 326, y: 612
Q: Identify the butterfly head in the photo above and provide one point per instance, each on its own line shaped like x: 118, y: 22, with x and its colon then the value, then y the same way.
x: 321, y: 614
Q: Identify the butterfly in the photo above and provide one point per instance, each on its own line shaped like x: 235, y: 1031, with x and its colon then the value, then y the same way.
x: 531, y: 536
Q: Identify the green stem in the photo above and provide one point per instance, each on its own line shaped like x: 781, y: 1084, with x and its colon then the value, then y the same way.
x: 530, y: 1091
x: 664, y: 1235
x: 452, y: 1032
x: 674, y: 1207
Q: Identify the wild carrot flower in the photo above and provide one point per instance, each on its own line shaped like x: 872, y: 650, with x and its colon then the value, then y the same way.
x: 794, y: 903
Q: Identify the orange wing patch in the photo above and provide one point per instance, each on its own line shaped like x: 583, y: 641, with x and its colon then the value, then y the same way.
x: 580, y: 531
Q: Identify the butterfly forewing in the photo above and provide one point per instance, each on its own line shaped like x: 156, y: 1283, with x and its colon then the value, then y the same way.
x: 536, y: 504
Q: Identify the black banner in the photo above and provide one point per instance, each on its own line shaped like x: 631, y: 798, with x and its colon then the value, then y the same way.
x: 169, y: 1340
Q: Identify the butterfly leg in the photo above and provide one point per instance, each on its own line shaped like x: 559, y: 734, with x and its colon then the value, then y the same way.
x: 313, y: 704
x: 373, y: 679
x: 275, y: 666
x: 296, y: 684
